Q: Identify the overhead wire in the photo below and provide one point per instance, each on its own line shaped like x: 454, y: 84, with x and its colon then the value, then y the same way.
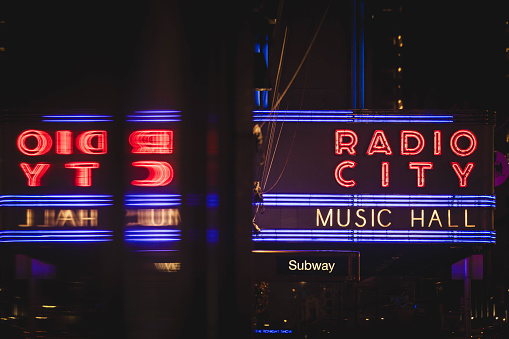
x: 275, y: 105
x: 305, y: 55
x: 276, y: 101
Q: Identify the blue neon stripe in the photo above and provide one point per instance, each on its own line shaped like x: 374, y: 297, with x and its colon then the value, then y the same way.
x: 402, y: 236
x: 155, y: 116
x: 27, y: 236
x: 77, y: 118
x: 152, y: 235
x: 153, y: 200
x: 347, y: 116
x: 55, y: 200
x: 353, y: 200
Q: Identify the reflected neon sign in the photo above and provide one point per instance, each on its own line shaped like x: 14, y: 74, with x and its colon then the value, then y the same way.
x: 36, y: 143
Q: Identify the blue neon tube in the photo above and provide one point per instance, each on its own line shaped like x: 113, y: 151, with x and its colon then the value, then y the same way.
x: 400, y: 236
x: 372, y: 200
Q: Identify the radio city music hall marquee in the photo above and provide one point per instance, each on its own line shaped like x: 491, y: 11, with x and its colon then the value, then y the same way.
x: 379, y: 176
x: 62, y: 173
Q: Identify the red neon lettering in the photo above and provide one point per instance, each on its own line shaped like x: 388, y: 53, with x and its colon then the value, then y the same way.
x: 84, y: 142
x: 405, y: 147
x: 35, y: 174
x: 467, y: 151
x: 152, y: 141
x: 437, y: 142
x: 420, y: 167
x: 385, y: 174
x: 379, y: 144
x: 43, y: 145
x: 160, y: 173
x: 347, y: 146
x: 462, y: 173
x: 83, y: 172
x: 339, y: 175
x: 63, y: 143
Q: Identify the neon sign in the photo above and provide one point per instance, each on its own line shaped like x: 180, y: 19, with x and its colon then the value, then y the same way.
x: 347, y: 140
x: 401, y: 173
x: 63, y: 171
x: 153, y: 199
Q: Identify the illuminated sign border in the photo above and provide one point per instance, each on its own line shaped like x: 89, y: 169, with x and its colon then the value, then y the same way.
x: 62, y: 200
x: 382, y: 236
x: 152, y: 235
x: 381, y: 200
x: 38, y: 236
x: 63, y: 142
x: 154, y: 116
x: 360, y: 117
x: 151, y: 200
x: 368, y: 116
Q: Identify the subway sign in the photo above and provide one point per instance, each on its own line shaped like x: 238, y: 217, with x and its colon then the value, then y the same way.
x: 63, y: 174
x: 368, y: 176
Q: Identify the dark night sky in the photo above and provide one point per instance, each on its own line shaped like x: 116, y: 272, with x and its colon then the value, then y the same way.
x: 454, y: 51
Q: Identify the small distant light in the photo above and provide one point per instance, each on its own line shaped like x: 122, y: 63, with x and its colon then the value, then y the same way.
x: 48, y: 306
x: 399, y: 69
x: 367, y: 319
x: 285, y: 320
x: 382, y: 318
x: 266, y: 325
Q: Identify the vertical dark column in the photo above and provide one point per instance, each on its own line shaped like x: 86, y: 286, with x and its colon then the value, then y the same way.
x: 218, y: 168
x: 197, y: 58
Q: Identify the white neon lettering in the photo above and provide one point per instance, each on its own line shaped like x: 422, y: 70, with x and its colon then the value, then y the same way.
x: 379, y: 219
x: 347, y: 218
x: 360, y: 217
x: 435, y: 217
x: 413, y: 218
x: 319, y: 217
x: 449, y: 219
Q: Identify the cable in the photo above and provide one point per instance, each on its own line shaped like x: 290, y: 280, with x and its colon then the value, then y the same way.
x: 305, y: 55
